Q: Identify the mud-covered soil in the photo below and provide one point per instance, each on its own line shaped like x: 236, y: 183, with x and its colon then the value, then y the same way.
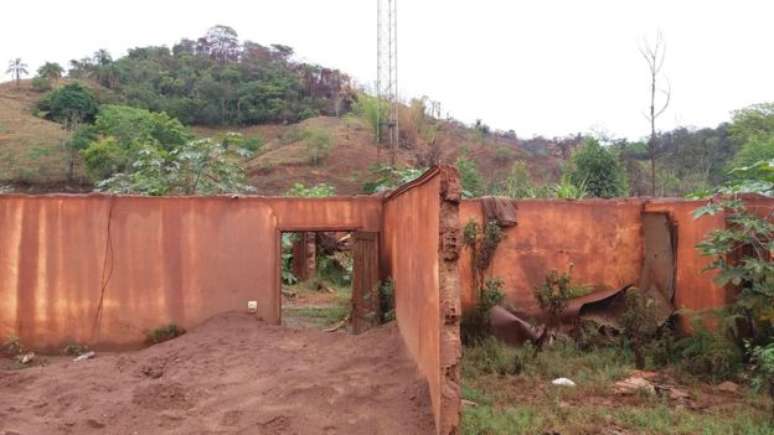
x: 231, y: 375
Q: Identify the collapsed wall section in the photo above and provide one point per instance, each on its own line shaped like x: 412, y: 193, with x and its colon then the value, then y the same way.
x: 420, y: 239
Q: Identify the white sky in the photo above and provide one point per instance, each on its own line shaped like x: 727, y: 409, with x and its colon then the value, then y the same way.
x: 546, y: 67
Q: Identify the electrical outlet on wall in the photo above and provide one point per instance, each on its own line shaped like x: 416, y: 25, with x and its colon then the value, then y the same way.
x: 252, y: 307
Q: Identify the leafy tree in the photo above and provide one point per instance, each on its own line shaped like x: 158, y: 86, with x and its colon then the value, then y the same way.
x: 373, y: 112
x: 221, y: 43
x: 470, y: 177
x: 753, y: 129
x: 17, y: 68
x: 51, y: 71
x: 70, y: 105
x: 318, y: 144
x: 130, y: 126
x: 598, y: 170
x: 753, y: 122
x: 199, y: 167
x: 755, y: 150
x: 120, y: 133
x: 741, y: 254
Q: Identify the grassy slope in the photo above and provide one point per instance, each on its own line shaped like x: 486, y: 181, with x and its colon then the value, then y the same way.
x: 31, y: 151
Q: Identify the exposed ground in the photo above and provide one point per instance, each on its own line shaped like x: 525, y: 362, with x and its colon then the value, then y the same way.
x: 231, y: 375
x: 509, y: 391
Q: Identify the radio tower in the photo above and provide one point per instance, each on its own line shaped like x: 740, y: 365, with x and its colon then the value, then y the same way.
x: 387, y: 71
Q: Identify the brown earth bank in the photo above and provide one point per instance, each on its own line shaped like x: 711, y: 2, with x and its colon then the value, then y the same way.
x: 232, y: 375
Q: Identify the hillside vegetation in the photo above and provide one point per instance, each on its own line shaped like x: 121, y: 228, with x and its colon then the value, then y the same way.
x: 282, y: 122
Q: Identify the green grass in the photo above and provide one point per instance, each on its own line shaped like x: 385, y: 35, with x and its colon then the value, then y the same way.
x: 332, y: 309
x: 512, y: 394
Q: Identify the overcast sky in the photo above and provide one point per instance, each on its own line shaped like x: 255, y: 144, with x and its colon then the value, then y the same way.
x: 538, y: 67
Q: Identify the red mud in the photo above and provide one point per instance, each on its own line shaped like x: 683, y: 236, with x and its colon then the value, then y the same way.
x: 231, y: 375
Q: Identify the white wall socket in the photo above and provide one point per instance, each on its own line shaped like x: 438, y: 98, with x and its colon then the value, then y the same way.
x: 252, y: 306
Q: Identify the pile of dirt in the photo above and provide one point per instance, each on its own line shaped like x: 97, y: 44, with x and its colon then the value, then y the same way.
x: 231, y: 375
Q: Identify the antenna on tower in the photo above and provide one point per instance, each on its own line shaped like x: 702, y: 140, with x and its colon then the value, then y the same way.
x: 387, y: 72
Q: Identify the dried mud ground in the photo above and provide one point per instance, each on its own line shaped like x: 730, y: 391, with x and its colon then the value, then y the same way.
x: 231, y: 375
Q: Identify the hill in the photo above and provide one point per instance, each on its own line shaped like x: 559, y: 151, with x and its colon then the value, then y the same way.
x: 32, y: 155
x: 35, y: 160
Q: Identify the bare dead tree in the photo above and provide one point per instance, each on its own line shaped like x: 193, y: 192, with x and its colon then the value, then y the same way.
x: 654, y: 55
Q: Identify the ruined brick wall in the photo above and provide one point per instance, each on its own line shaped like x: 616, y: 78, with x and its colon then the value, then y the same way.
x: 602, y: 239
x: 104, y: 270
x: 421, y: 249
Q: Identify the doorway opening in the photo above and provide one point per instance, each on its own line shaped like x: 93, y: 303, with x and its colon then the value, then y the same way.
x: 329, y: 280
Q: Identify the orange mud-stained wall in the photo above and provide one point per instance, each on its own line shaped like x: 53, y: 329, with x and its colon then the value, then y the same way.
x: 105, y: 270
x: 601, y: 239
x: 696, y: 289
x: 420, y: 232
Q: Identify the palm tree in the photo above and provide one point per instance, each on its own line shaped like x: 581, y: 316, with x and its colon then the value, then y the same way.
x: 17, y: 68
x: 51, y: 71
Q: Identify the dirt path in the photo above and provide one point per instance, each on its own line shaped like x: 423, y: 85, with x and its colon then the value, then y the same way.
x: 231, y: 375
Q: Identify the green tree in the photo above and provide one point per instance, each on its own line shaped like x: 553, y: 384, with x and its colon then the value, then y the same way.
x: 470, y: 177
x: 51, y: 71
x: 373, y: 111
x: 17, y: 68
x: 753, y: 128
x: 120, y: 133
x: 198, y: 167
x: 69, y: 105
x: 598, y: 171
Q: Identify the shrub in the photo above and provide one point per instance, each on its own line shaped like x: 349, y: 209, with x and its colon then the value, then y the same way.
x: 70, y: 104
x: 164, y: 333
x: 598, y: 170
x: 639, y: 323
x: 554, y: 295
x: 476, y: 322
x: 318, y: 144
x: 373, y: 111
x: 470, y: 178
x: 567, y: 189
x: 387, y: 300
x: 709, y: 355
x: 389, y: 177
x: 317, y: 191
x: 41, y: 84
x: 519, y: 183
